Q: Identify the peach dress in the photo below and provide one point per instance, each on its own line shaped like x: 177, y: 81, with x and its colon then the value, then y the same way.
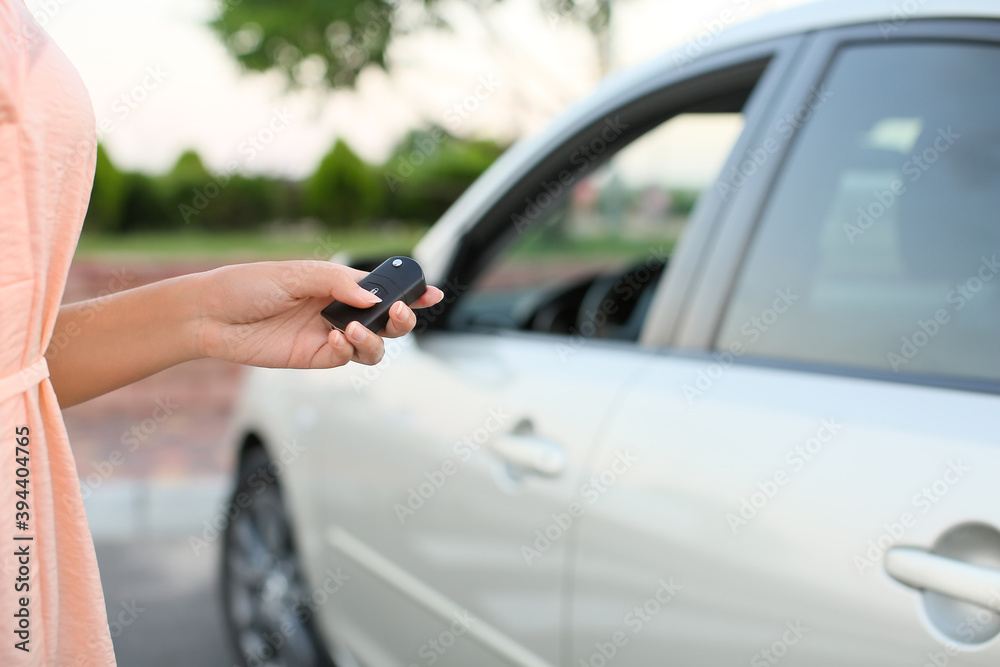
x: 47, y: 153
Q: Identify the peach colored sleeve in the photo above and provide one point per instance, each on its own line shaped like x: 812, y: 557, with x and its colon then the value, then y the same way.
x: 51, y: 600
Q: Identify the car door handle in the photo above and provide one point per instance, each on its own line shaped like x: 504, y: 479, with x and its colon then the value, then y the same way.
x: 531, y: 453
x: 947, y: 576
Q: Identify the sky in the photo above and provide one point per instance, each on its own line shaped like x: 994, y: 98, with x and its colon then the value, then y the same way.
x: 161, y: 82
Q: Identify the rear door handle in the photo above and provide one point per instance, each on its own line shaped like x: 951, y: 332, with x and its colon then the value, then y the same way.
x: 947, y: 576
x: 531, y: 453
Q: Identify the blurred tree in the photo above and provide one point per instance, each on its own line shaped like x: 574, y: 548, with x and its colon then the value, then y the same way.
x: 187, y: 190
x: 242, y: 203
x: 107, y: 198
x: 144, y: 206
x: 683, y: 201
x: 223, y: 201
x: 329, y: 42
x: 187, y: 195
x: 344, y: 190
x: 428, y: 171
x: 595, y: 15
x: 314, y: 41
x: 189, y: 168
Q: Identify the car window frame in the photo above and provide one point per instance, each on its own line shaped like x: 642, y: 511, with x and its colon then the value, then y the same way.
x: 726, y: 261
x: 671, y: 92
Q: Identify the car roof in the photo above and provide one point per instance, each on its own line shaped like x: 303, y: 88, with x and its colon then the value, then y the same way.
x: 433, y: 249
x: 832, y: 13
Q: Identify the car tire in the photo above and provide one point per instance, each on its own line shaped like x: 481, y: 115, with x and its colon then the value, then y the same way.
x: 268, y: 611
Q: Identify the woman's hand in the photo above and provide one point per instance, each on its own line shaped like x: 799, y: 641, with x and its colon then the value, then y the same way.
x: 264, y: 314
x: 267, y: 314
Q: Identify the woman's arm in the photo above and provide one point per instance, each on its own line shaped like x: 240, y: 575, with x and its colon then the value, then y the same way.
x: 263, y: 314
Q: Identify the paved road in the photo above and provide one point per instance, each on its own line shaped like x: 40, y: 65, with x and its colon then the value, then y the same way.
x: 163, y: 603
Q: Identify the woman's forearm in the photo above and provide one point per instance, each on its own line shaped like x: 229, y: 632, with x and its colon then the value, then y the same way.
x: 106, y: 343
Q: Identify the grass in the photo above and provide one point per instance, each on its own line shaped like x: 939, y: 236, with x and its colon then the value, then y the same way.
x: 250, y: 246
x: 592, y: 246
x: 244, y: 245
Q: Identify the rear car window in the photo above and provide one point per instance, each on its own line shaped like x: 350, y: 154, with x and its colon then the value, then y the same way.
x: 879, y: 247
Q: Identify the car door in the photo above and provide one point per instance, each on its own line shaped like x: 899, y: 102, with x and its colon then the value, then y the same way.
x: 816, y: 444
x: 456, y: 473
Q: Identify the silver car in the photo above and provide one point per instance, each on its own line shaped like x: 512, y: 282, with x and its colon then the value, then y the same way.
x: 715, y: 382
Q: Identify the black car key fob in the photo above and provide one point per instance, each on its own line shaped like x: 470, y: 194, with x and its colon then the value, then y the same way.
x: 395, y: 279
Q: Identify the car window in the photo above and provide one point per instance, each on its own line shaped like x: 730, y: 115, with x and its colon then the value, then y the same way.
x: 880, y: 243
x: 586, y: 261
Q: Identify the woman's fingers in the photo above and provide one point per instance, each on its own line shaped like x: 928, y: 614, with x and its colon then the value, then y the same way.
x: 430, y: 296
x: 401, y: 318
x: 340, y: 283
x: 356, y: 344
x: 363, y: 346
x: 368, y: 348
x: 339, y: 351
x: 324, y: 280
x: 401, y: 321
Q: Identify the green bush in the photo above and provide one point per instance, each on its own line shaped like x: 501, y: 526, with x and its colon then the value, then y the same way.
x: 430, y: 169
x: 344, y: 191
x: 144, y: 206
x: 107, y: 199
x: 426, y: 173
x: 683, y: 201
x: 224, y: 202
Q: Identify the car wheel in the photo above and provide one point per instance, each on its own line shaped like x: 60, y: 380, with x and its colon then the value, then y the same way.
x: 264, y: 594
